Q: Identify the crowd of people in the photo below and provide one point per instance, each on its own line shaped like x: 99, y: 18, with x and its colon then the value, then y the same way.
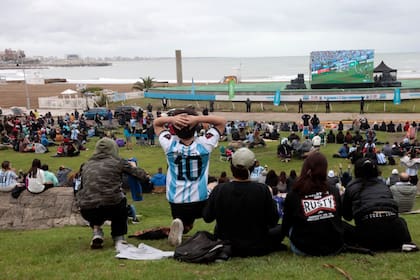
x: 247, y: 207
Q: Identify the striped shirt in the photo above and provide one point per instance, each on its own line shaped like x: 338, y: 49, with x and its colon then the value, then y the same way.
x: 188, y: 166
x: 7, y: 178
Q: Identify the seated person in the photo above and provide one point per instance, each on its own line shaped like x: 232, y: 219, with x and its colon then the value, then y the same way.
x: 348, y: 137
x: 380, y: 158
x: 49, y: 178
x: 339, y: 138
x: 378, y: 226
x: 312, y: 216
x: 357, y: 138
x: 343, y: 152
x: 8, y: 177
x: 257, y: 140
x: 404, y: 193
x: 159, y: 181
x: 330, y: 137
x: 62, y: 176
x: 249, y: 224
x: 284, y: 150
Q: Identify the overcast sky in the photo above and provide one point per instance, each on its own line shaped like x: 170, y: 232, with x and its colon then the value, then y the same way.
x: 200, y: 28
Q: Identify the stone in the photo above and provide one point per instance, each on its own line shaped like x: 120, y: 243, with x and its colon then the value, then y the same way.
x: 55, y: 207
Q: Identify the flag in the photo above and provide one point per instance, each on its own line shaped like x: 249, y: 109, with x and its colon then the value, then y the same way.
x: 231, y: 89
x: 276, y: 100
x: 192, y: 86
x: 397, y: 96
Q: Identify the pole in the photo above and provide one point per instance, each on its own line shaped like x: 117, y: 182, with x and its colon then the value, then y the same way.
x: 28, y: 101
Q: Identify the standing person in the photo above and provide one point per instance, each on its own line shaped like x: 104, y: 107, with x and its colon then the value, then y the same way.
x: 362, y: 105
x: 370, y: 203
x: 149, y: 107
x: 327, y: 106
x: 188, y: 159
x: 315, y: 123
x: 312, y: 211
x: 100, y: 197
x: 127, y: 136
x: 109, y: 115
x: 211, y: 105
x: 245, y: 212
x: 300, y: 106
x: 164, y: 103
x: 205, y: 111
x: 248, y: 105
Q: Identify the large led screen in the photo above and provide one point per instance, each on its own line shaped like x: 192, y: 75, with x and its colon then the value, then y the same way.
x: 342, y: 67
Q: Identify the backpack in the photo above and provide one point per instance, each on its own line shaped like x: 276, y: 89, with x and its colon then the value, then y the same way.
x: 202, y: 247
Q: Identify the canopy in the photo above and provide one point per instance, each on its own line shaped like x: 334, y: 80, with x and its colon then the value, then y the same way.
x: 68, y: 91
x: 382, y: 67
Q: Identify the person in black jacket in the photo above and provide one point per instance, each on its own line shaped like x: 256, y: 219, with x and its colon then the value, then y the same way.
x: 370, y: 203
x: 246, y: 214
x: 312, y: 211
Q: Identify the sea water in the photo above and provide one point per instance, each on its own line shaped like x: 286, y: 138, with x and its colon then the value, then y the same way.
x: 209, y: 69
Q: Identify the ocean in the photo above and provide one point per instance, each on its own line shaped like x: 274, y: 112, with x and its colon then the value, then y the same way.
x: 205, y: 69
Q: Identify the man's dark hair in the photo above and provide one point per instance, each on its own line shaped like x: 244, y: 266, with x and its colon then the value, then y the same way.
x: 185, y: 132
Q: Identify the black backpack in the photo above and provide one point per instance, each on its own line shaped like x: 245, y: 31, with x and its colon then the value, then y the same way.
x: 202, y: 247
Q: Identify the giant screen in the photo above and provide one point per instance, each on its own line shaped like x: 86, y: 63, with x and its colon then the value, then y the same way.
x: 342, y: 67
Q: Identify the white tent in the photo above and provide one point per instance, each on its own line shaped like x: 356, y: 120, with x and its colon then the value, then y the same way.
x: 68, y: 92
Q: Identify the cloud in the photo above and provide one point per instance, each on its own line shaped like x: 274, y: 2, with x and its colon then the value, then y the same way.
x: 207, y: 27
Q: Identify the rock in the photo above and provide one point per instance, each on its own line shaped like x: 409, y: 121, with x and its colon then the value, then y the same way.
x: 55, y: 207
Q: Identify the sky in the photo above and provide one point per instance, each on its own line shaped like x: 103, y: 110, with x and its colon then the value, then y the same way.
x: 207, y: 28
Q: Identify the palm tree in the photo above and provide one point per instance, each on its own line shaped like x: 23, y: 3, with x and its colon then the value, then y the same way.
x: 144, y: 84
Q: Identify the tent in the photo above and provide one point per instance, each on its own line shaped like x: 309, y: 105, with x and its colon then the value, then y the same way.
x: 69, y: 92
x: 382, y: 67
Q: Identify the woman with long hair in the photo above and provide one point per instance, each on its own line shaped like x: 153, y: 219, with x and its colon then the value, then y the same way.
x: 35, y: 177
x: 312, y: 211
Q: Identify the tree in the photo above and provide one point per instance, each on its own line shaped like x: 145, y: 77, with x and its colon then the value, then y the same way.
x: 144, y: 84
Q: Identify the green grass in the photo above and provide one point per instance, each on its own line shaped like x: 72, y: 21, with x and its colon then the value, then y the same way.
x: 64, y: 253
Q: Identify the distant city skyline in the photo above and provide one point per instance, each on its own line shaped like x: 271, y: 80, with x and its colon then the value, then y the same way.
x: 207, y: 28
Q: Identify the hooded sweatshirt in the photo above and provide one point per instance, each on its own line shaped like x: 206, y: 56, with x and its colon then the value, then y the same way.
x: 102, y: 176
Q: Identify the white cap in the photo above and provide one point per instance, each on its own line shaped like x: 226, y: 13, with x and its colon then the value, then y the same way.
x: 394, y: 171
x: 331, y: 173
x: 243, y: 157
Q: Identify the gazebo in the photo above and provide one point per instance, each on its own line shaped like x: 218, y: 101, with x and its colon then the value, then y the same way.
x: 385, y: 76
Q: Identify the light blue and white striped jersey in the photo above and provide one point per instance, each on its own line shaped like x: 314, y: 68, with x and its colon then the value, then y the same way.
x: 188, y: 166
x: 7, y: 178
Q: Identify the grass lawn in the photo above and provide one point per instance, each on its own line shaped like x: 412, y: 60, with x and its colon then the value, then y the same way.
x: 64, y: 253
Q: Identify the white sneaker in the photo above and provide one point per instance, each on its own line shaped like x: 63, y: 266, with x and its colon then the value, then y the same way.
x: 175, y: 233
x: 97, y: 240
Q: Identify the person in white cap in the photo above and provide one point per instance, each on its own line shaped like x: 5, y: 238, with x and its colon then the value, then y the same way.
x: 245, y: 212
x: 394, y: 178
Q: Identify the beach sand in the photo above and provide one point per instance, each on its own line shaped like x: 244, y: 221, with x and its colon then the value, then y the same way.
x: 14, y: 94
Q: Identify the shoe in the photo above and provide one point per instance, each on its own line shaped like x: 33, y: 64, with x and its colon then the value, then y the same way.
x: 409, y: 247
x: 97, y: 240
x: 175, y: 233
x: 121, y: 245
x: 135, y: 221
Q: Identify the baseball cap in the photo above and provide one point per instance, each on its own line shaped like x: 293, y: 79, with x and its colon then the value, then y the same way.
x: 394, y: 171
x: 243, y: 157
x: 331, y: 173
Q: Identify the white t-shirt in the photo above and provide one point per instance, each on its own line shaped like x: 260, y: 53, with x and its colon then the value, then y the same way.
x: 188, y: 166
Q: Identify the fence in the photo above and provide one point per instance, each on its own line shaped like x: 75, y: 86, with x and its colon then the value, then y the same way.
x: 64, y: 102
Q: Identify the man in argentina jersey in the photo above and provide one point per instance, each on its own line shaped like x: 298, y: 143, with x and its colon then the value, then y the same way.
x: 188, y: 159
